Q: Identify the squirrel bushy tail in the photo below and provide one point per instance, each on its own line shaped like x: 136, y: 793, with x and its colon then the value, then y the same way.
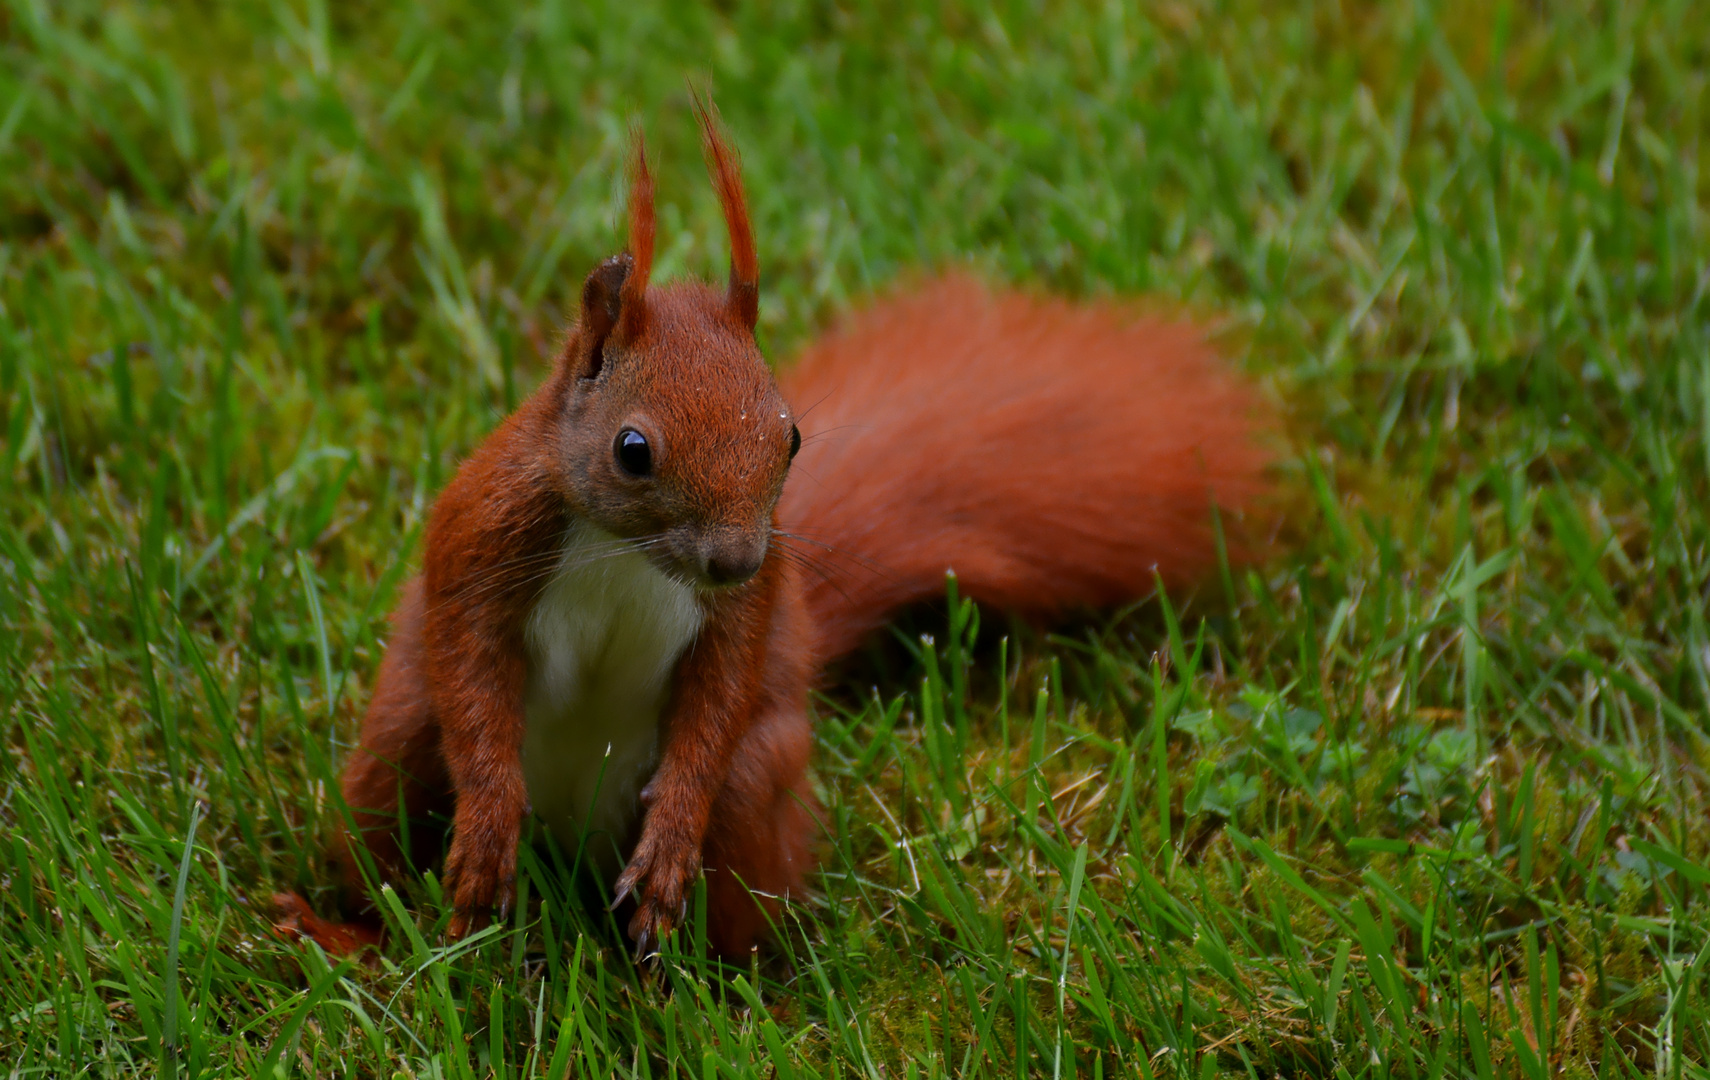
x: 1053, y: 454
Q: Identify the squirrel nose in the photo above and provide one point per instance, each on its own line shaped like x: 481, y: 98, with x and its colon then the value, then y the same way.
x: 732, y: 563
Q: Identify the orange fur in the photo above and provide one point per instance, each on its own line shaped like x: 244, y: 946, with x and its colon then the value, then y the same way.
x: 722, y: 163
x: 1054, y: 454
x: 641, y: 229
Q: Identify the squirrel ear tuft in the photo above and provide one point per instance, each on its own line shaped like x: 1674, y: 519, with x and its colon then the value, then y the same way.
x: 602, y: 306
x: 641, y: 226
x: 726, y: 170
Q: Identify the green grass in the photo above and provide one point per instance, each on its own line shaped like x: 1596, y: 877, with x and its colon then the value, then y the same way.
x: 1424, y: 796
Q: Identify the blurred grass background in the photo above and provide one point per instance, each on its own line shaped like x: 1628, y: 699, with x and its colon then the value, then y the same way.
x: 1425, y: 796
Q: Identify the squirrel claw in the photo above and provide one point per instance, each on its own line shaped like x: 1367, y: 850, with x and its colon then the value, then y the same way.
x: 625, y: 888
x: 643, y: 947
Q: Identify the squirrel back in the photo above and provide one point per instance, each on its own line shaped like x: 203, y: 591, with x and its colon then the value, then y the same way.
x: 1055, y: 455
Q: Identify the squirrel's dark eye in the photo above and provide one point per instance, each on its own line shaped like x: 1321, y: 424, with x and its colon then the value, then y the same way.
x: 795, y: 441
x: 633, y: 454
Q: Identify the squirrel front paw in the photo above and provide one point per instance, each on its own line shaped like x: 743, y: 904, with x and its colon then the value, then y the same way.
x: 481, y: 871
x: 659, y: 875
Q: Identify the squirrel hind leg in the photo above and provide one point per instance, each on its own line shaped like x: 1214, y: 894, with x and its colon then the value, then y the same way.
x: 759, y: 845
x: 395, y: 784
x: 293, y: 918
x: 400, y: 819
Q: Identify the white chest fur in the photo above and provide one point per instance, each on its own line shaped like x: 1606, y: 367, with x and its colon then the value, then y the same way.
x: 603, y: 640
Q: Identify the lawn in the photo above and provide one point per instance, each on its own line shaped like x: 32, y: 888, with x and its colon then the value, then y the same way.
x: 1423, y: 794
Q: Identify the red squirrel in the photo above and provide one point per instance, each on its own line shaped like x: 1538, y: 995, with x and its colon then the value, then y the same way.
x: 629, y: 588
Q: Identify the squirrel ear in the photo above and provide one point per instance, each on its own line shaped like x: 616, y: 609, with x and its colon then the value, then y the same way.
x: 614, y: 298
x: 602, y: 305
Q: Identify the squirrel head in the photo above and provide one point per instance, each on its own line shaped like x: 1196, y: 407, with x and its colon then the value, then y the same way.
x: 673, y: 433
